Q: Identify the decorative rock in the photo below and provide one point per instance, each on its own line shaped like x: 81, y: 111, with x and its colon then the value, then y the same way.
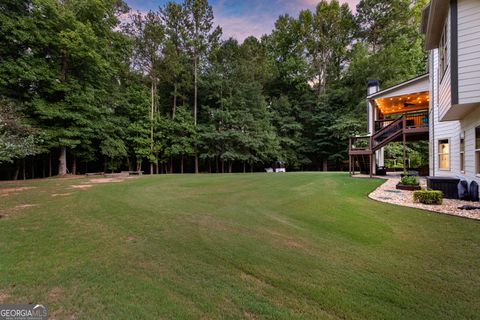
x: 405, y: 198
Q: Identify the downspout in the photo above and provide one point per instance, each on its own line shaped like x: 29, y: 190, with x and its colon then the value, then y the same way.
x: 433, y: 100
x: 372, y: 113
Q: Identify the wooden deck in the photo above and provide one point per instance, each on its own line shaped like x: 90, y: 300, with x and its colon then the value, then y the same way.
x: 410, y: 126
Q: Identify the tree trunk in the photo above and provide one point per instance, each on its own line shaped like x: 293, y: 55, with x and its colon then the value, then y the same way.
x: 74, y: 165
x: 17, y: 169
x: 174, y: 110
x: 49, y: 164
x: 181, y: 164
x: 209, y: 165
x: 152, y: 109
x: 43, y: 166
x: 325, y: 165
x: 223, y: 166
x: 195, y: 90
x: 23, y: 169
x: 62, y: 162
x: 171, y: 165
x: 244, y: 168
x: 230, y: 165
x: 216, y: 165
x: 196, y: 163
x: 33, y: 168
x: 195, y: 103
x: 251, y: 168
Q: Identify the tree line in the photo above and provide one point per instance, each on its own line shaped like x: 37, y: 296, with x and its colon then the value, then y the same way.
x: 90, y: 85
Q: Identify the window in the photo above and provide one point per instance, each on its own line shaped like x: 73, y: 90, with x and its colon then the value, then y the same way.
x: 462, y: 154
x: 477, y: 149
x: 443, y: 50
x: 444, y: 155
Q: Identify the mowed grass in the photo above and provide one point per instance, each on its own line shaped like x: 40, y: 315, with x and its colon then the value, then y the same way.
x: 253, y: 246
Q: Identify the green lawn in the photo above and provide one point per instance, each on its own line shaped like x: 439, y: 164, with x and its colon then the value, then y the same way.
x: 254, y: 246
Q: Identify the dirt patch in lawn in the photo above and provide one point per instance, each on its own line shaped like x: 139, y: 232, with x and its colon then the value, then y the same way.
x: 106, y: 180
x: 8, y: 212
x: 55, y: 293
x: 3, y: 297
x: 6, y: 191
x: 24, y: 206
x: 61, y: 313
x: 250, y: 315
x: 81, y: 186
x: 92, y: 182
x: 291, y: 243
x: 61, y: 194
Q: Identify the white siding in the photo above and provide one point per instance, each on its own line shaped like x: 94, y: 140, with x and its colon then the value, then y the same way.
x: 433, y: 73
x: 420, y: 84
x: 444, y: 86
x: 469, y: 51
x: 468, y: 126
x: 441, y: 130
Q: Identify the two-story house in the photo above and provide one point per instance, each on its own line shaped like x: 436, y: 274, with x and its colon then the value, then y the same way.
x: 442, y: 106
x: 452, y: 38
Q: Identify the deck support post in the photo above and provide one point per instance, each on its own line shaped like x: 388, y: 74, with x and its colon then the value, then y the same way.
x: 404, y: 127
x: 371, y: 165
x: 349, y: 156
x: 353, y: 165
x: 350, y: 165
x: 404, y: 154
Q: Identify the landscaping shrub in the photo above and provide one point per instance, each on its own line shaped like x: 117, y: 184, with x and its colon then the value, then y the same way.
x: 428, y: 196
x: 410, y: 180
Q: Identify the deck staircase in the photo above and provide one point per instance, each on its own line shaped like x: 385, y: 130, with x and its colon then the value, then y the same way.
x: 411, y: 124
x: 368, y: 145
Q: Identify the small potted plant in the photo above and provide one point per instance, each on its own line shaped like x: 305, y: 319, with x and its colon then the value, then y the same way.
x: 409, y: 183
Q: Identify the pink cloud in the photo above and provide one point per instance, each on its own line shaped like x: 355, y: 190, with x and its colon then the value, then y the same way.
x: 310, y: 4
x: 241, y: 27
x: 261, y: 17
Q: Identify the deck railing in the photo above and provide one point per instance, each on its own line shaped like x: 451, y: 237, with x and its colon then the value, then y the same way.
x: 414, y: 119
x: 360, y: 143
x: 389, y: 131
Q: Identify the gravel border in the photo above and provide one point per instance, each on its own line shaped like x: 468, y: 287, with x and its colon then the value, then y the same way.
x: 389, y: 194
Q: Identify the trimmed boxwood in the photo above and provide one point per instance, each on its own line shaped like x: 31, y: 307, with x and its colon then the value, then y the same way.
x: 428, y: 196
x: 410, y: 181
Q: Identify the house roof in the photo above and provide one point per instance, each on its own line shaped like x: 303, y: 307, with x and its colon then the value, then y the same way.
x: 417, y: 84
x: 433, y: 18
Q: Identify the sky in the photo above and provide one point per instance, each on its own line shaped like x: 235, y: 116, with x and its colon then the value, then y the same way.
x: 242, y: 18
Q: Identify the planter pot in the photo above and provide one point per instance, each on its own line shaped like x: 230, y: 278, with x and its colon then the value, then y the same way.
x: 408, y: 187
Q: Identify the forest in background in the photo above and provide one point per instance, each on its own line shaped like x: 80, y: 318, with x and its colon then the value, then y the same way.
x: 89, y: 86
